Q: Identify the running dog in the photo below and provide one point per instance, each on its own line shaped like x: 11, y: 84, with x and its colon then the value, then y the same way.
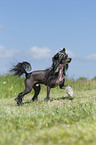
x: 52, y: 77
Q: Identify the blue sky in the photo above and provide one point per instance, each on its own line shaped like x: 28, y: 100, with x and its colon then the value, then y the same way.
x: 34, y: 30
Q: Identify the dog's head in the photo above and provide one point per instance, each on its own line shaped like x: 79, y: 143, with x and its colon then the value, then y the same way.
x: 61, y: 58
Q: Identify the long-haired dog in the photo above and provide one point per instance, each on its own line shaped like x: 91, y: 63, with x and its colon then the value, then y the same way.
x: 52, y: 77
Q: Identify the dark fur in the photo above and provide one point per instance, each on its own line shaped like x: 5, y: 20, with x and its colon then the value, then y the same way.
x: 52, y: 77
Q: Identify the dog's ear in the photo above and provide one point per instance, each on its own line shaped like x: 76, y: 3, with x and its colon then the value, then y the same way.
x: 64, y: 49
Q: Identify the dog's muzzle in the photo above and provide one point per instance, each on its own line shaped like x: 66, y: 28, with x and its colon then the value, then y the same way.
x: 68, y: 60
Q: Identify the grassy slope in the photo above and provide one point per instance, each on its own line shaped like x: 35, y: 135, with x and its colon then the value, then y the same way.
x: 59, y: 121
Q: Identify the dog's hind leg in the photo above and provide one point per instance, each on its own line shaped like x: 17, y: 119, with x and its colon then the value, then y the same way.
x: 37, y: 89
x: 48, y: 92
x: 21, y: 95
x: 28, y: 88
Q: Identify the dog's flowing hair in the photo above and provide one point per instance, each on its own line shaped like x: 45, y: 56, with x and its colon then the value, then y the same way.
x: 52, y: 77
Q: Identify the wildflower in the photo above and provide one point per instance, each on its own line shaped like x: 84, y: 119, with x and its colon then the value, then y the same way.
x: 11, y: 88
x: 4, y: 82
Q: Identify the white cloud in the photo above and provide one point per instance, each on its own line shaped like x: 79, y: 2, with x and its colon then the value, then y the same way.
x: 5, y: 53
x: 40, y: 53
x: 91, y: 57
x: 35, y: 52
x: 71, y: 54
x: 1, y: 26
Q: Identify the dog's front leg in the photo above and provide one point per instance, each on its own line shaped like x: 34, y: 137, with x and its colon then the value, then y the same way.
x: 62, y: 85
x: 68, y: 89
x: 48, y: 92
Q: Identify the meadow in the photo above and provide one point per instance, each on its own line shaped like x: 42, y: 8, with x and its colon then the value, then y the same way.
x: 59, y: 121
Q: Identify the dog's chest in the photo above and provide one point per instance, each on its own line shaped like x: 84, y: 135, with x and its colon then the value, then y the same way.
x: 60, y: 77
x: 57, y: 79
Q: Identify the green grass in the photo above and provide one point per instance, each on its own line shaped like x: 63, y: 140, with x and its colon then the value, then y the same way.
x: 59, y: 121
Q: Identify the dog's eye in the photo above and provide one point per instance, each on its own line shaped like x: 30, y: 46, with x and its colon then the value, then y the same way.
x: 66, y: 56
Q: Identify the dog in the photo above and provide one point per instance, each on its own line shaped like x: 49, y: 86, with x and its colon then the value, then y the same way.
x: 51, y: 77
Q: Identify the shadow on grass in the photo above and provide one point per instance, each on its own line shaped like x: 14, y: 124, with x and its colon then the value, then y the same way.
x: 27, y: 102
x: 62, y: 98
x: 52, y: 99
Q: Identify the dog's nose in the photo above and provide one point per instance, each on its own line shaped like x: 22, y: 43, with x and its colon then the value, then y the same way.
x: 69, y: 59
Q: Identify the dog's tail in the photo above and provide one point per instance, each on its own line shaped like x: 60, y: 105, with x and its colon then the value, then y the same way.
x: 21, y: 68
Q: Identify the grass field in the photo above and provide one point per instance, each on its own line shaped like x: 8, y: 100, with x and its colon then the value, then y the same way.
x: 59, y: 121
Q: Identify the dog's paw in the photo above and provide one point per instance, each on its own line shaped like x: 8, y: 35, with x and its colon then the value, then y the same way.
x: 69, y: 91
x: 19, y: 101
x: 46, y: 99
x: 35, y: 99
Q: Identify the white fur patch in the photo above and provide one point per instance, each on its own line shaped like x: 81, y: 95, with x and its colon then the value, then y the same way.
x: 69, y: 91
